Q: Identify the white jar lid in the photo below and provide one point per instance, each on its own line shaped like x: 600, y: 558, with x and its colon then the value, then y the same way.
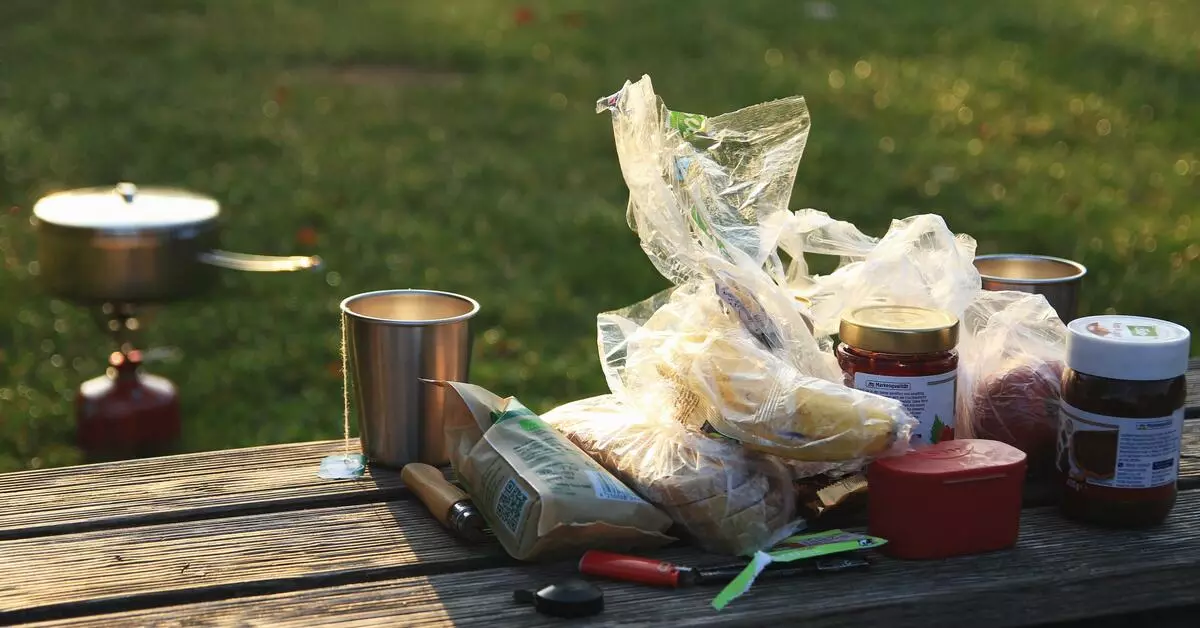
x: 1135, y: 348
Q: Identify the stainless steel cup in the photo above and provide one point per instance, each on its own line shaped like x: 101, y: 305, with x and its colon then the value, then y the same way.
x: 1055, y: 278
x: 393, y: 339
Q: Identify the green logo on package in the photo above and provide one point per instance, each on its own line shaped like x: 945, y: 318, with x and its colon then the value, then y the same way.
x: 531, y: 425
x: 686, y: 123
x: 515, y: 411
x: 1143, y: 331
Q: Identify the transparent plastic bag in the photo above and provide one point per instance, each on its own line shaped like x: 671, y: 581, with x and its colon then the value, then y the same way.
x: 729, y: 350
x: 737, y: 371
x: 728, y: 499
x: 703, y: 185
x: 919, y: 262
x: 722, y: 394
x: 1012, y: 351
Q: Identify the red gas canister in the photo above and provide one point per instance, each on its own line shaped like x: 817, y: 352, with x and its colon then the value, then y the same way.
x: 956, y: 497
x: 126, y: 413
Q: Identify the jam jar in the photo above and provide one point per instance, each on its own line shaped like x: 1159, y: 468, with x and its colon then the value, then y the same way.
x: 1121, y: 419
x: 905, y: 353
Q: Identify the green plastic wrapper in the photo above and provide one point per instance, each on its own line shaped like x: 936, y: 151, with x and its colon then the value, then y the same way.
x: 793, y: 548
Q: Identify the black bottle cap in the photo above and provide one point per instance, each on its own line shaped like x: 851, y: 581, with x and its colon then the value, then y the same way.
x: 572, y: 598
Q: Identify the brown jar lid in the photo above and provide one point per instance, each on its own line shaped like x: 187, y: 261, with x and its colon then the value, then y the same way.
x: 904, y: 329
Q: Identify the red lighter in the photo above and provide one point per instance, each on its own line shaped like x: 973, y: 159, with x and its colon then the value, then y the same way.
x: 635, y: 569
x: 663, y: 574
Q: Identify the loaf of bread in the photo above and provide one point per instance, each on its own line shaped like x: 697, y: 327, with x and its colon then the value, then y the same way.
x: 728, y: 499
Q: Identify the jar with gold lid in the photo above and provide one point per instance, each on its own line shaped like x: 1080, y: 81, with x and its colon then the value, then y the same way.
x: 905, y: 353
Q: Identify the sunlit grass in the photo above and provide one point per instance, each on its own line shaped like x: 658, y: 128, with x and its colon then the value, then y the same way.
x: 454, y: 145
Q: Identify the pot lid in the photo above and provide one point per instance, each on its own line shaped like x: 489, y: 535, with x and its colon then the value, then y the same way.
x: 125, y: 206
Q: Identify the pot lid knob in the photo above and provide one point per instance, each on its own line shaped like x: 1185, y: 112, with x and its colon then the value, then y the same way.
x: 127, y: 191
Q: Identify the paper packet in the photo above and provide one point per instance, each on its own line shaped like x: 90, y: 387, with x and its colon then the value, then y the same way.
x: 542, y: 496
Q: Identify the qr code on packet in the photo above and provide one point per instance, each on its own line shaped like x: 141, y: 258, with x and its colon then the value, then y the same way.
x: 510, y: 505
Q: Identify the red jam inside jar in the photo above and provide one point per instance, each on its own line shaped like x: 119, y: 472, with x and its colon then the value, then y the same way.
x: 905, y: 353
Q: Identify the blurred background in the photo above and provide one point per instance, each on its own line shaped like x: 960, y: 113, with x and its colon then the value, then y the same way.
x: 454, y: 145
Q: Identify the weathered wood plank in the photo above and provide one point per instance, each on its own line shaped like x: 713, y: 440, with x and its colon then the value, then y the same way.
x: 175, y: 488
x: 1059, y: 571
x: 90, y: 572
x: 210, y: 484
x: 1189, y: 461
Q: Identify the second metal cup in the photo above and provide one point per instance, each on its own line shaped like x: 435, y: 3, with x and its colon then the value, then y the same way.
x: 1055, y: 278
x: 394, y: 338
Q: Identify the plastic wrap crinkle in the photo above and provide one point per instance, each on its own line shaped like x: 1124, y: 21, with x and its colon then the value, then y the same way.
x: 1012, y: 352
x: 729, y: 500
x: 721, y: 393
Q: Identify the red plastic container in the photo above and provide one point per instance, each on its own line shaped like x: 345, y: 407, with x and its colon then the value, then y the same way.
x: 957, y: 497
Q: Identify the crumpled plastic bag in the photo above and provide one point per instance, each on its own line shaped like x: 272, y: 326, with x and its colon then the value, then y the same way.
x: 702, y: 185
x: 1012, y: 352
x: 700, y: 365
x: 722, y: 394
x: 727, y: 499
x: 918, y: 262
x: 729, y: 351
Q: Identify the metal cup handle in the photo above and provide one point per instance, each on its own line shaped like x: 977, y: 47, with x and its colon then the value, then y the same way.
x: 259, y: 263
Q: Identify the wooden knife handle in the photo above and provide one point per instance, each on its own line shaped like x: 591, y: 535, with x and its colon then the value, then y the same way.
x: 432, y: 488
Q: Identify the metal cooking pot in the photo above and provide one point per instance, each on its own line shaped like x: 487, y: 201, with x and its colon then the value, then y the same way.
x: 126, y: 244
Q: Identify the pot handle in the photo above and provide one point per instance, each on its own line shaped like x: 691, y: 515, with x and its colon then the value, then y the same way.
x: 259, y: 263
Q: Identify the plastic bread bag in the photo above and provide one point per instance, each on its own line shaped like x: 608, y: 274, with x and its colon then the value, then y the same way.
x: 541, y: 495
x: 727, y: 499
x: 728, y: 351
x: 812, y: 232
x: 919, y: 262
x: 735, y: 371
x: 703, y: 185
x: 1012, y: 351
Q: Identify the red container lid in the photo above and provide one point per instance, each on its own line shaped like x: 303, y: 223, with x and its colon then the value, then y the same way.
x: 962, y: 458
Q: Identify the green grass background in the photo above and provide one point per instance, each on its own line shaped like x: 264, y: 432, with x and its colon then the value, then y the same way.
x: 464, y: 154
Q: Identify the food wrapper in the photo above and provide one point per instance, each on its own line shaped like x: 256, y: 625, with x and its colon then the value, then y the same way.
x: 1012, y: 352
x: 702, y: 185
x: 816, y: 497
x: 722, y: 395
x: 540, y: 494
x: 729, y: 351
x: 918, y: 262
x: 800, y: 547
x: 729, y: 500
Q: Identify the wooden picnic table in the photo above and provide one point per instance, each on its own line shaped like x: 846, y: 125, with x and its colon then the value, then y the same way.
x: 252, y: 537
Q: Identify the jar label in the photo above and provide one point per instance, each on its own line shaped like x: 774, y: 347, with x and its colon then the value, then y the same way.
x: 1118, y: 453
x: 929, y: 399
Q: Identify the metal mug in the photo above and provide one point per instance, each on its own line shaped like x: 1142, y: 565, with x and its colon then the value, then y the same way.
x: 1055, y: 278
x: 395, y: 338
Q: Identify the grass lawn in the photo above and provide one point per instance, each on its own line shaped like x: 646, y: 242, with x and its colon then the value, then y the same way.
x: 454, y: 145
